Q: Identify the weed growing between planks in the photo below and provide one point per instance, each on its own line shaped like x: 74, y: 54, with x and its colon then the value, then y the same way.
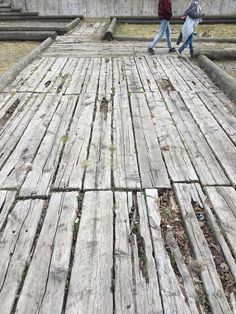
x: 136, y: 238
x: 171, y: 221
x: 227, y: 280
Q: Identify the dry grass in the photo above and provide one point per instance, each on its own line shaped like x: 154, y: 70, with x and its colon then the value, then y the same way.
x: 11, y: 52
x: 217, y: 30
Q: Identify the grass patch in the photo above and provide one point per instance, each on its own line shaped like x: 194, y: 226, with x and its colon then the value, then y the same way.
x: 150, y: 30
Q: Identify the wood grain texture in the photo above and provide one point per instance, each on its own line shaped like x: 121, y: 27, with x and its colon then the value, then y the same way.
x: 172, y: 298
x: 44, y: 285
x: 90, y: 289
x: 187, y: 195
x: 16, y: 243
x: 39, y: 179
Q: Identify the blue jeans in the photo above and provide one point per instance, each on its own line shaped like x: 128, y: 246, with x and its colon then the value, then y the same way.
x: 164, y: 29
x: 188, y: 42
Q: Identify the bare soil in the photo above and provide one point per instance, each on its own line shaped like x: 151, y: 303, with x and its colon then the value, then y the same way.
x: 228, y: 66
x: 12, y: 51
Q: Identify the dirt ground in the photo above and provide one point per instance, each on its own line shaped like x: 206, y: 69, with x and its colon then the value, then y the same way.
x: 11, y: 52
x: 219, y: 30
x: 228, y: 66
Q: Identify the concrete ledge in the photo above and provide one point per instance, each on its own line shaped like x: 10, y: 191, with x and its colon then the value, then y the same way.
x: 27, y: 36
x: 231, y: 19
x: 12, y: 73
x: 196, y: 39
x: 109, y: 34
x: 223, y: 80
x: 71, y: 25
x: 218, y: 54
x: 42, y: 18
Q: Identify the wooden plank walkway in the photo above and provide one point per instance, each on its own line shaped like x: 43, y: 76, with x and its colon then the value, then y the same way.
x: 117, y: 183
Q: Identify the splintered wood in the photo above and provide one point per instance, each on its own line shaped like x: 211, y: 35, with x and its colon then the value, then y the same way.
x: 117, y: 183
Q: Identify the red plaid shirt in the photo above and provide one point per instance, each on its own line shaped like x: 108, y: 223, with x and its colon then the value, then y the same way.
x: 165, y: 10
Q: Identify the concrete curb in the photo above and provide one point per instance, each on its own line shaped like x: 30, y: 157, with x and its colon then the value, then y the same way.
x: 196, y: 39
x: 71, y: 25
x: 27, y: 36
x: 11, y: 74
x: 223, y: 80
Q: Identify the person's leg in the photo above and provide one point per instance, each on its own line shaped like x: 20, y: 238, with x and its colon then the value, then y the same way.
x: 161, y: 33
x: 187, y: 42
x: 168, y: 36
x: 191, y: 45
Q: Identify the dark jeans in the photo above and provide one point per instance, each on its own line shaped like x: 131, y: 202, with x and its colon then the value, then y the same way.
x: 188, y: 42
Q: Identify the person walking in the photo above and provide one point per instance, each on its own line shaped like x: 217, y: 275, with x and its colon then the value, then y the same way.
x: 165, y: 14
x: 193, y: 16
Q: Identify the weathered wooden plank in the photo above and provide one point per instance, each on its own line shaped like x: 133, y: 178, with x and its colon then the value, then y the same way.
x: 125, y: 300
x: 148, y: 295
x: 91, y: 277
x: 152, y: 168
x: 44, y: 165
x: 74, y: 159
x: 145, y: 74
x: 12, y: 132
x: 6, y: 202
x: 64, y: 79
x: 105, y: 79
x: 37, y: 76
x: 44, y: 286
x: 51, y: 76
x: 220, y: 143
x: 173, y: 299
x: 125, y: 166
x: 16, y: 243
x: 98, y: 170
x: 156, y: 69
x: 19, y: 163
x: 223, y: 200
x: 200, y: 75
x: 206, y: 165
x: 187, y: 195
x: 177, y: 82
x: 23, y: 76
x: 191, y: 80
x: 176, y: 158
x: 221, y: 113
x: 133, y: 79
x: 77, y: 78
x: 92, y: 78
x: 218, y: 232
x: 5, y: 104
x: 190, y: 292
x: 226, y: 102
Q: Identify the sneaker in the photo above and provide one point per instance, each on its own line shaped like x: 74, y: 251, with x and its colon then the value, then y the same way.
x: 179, y: 54
x: 151, y: 51
x: 172, y: 50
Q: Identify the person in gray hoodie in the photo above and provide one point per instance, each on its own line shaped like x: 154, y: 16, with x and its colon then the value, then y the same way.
x: 193, y: 16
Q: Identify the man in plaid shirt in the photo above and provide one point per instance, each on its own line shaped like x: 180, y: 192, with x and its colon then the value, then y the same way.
x: 165, y: 14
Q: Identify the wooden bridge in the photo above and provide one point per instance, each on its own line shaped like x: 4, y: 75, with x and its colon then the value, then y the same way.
x: 117, y: 179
